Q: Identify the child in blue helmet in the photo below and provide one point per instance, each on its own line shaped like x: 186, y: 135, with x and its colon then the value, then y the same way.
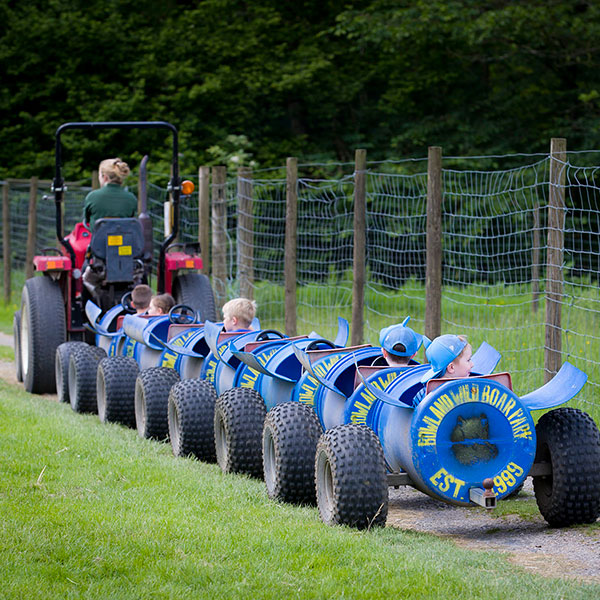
x: 400, y: 343
x: 449, y: 357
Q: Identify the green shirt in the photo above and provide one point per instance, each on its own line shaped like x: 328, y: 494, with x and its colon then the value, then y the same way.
x: 109, y: 201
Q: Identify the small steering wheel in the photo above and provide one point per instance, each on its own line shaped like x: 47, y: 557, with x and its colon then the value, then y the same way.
x: 126, y: 303
x: 264, y: 335
x: 314, y: 345
x: 182, y: 314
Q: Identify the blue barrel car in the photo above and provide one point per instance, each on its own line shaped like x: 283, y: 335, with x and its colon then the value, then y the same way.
x: 469, y: 441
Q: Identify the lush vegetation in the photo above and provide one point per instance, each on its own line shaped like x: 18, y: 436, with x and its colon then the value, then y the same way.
x: 93, y: 511
x: 263, y: 80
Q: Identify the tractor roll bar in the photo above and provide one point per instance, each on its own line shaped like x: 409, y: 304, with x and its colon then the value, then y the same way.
x: 174, y: 186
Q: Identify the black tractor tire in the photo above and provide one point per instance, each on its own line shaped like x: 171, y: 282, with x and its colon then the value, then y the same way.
x: 569, y: 440
x: 191, y: 418
x: 290, y: 436
x: 350, y: 476
x: 61, y: 368
x: 115, y: 389
x: 43, y: 329
x: 17, y: 344
x: 83, y: 364
x: 239, y: 417
x: 194, y: 289
x: 152, y: 388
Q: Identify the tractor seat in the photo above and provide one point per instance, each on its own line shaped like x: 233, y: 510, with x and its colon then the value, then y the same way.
x: 118, y: 243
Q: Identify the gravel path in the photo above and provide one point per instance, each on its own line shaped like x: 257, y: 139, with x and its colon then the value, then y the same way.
x: 567, y: 553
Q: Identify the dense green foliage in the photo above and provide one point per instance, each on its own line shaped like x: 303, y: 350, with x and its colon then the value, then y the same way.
x: 312, y: 79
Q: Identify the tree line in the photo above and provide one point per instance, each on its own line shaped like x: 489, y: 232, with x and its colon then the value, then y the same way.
x: 254, y: 82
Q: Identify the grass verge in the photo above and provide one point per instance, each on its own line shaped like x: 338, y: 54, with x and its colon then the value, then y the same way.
x: 90, y: 510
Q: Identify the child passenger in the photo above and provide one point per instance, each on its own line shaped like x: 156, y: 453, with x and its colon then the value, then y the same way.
x: 140, y: 298
x: 449, y: 357
x: 238, y: 314
x: 400, y: 343
x: 161, y: 304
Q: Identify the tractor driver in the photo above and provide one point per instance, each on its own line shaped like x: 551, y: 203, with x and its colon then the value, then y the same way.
x: 111, y: 200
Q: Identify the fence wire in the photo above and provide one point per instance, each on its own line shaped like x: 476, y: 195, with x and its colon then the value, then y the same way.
x: 495, y: 239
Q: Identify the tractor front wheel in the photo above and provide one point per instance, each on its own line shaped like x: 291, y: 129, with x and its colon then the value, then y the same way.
x: 194, y: 289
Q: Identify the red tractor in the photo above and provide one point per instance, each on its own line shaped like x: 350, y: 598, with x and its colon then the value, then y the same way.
x: 117, y: 254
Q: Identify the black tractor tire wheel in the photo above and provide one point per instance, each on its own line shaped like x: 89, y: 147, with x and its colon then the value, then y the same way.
x: 83, y: 364
x: 239, y: 418
x: 61, y: 368
x: 17, y: 345
x: 115, y: 389
x: 191, y: 418
x: 350, y: 476
x: 290, y: 436
x: 152, y: 388
x: 43, y: 329
x: 569, y: 440
x: 194, y: 289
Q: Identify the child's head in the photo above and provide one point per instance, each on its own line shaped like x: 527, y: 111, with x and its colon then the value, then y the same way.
x: 449, y: 356
x: 238, y: 314
x: 399, y: 343
x: 161, y: 304
x: 140, y: 297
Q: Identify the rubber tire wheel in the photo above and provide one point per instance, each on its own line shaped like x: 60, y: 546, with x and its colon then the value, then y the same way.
x: 350, y: 477
x: 290, y: 436
x: 239, y: 418
x: 152, y: 388
x: 83, y: 364
x: 43, y: 329
x: 569, y: 440
x: 191, y: 416
x: 194, y: 289
x: 61, y: 368
x: 17, y: 344
x: 115, y: 389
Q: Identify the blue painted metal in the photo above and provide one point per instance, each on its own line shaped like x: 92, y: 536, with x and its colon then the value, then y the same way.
x: 560, y: 389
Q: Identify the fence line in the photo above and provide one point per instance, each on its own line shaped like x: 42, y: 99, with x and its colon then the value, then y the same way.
x: 512, y: 240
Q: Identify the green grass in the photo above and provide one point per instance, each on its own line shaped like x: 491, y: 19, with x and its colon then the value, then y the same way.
x: 93, y: 511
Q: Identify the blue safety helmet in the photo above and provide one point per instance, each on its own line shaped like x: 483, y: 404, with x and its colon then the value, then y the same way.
x: 394, y: 335
x: 441, y: 352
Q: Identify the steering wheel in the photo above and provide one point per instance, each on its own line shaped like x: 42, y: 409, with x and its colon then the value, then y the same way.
x: 264, y: 335
x: 182, y: 314
x: 126, y: 303
x: 315, y: 343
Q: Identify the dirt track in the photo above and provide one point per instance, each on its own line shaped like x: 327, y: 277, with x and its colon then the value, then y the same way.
x: 572, y: 553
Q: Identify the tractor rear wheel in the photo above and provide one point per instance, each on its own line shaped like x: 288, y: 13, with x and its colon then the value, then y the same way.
x: 61, y: 368
x: 191, y: 419
x: 115, y: 389
x: 152, y: 388
x: 83, y: 365
x: 351, y: 478
x: 290, y: 437
x: 43, y: 329
x: 569, y: 440
x: 194, y: 289
x: 239, y: 417
x: 17, y: 344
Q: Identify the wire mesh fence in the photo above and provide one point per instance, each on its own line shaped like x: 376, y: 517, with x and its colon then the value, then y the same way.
x: 495, y: 241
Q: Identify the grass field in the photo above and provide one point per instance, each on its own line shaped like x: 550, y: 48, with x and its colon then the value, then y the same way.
x: 93, y: 511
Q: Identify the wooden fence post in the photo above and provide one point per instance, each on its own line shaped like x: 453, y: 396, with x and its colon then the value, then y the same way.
x: 245, y: 233
x: 204, y: 217
x: 359, y: 249
x: 291, y: 220
x: 554, y: 259
x: 95, y: 180
x: 535, y: 260
x: 6, y: 240
x: 433, y: 274
x: 219, y: 235
x: 31, y: 228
